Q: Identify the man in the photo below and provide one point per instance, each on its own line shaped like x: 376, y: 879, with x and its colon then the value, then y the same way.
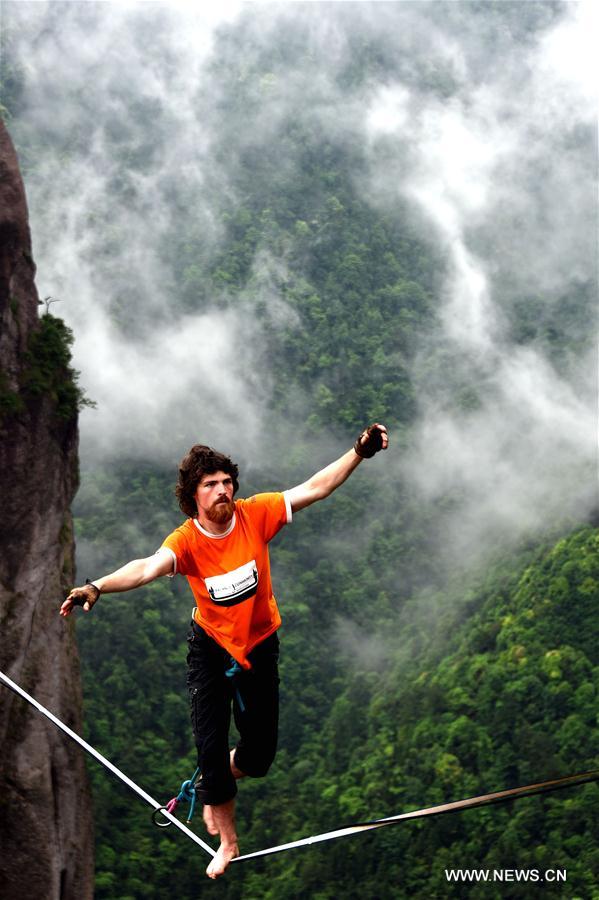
x: 233, y: 655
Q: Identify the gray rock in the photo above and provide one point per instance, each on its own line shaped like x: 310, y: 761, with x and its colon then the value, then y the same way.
x: 46, y: 824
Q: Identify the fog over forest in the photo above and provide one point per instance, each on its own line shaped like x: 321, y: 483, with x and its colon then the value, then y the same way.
x: 482, y: 134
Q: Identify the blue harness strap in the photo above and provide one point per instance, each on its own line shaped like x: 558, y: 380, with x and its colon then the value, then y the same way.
x: 233, y: 670
x: 187, y: 794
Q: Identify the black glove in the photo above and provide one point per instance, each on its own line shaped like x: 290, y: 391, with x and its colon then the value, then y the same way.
x: 370, y: 441
x: 88, y: 594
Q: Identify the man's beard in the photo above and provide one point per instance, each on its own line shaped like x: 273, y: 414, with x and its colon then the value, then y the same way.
x: 221, y: 511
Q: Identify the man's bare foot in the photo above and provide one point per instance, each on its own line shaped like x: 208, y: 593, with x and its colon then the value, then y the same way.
x: 224, y: 855
x: 209, y: 822
x: 221, y: 817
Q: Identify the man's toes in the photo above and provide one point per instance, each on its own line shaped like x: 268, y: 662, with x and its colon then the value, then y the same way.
x: 221, y: 860
x: 214, y: 871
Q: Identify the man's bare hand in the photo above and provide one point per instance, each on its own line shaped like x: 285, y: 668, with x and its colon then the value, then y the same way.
x: 84, y: 596
x: 372, y: 440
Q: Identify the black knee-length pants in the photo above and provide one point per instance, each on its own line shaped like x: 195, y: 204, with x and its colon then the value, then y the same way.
x: 254, y: 694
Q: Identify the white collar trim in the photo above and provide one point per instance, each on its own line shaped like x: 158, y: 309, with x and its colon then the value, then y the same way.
x: 216, y: 537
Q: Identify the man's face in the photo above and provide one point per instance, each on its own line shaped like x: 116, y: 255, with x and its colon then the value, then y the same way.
x: 214, y: 497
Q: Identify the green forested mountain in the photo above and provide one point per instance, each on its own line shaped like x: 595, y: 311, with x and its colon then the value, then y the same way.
x: 435, y: 644
x: 490, y: 689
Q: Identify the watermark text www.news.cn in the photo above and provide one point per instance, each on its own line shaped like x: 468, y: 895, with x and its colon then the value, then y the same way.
x: 534, y: 876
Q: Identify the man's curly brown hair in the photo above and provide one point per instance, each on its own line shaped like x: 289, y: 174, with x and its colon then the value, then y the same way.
x: 200, y: 461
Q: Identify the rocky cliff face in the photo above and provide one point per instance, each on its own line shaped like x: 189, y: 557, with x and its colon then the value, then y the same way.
x: 46, y: 840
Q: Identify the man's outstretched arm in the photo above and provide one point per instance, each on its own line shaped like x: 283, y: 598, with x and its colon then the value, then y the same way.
x: 132, y: 575
x: 323, y: 483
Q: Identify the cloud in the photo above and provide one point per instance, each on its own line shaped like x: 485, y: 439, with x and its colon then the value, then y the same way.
x: 125, y: 154
x: 502, y: 173
x: 186, y: 378
x: 364, y: 652
x: 478, y: 121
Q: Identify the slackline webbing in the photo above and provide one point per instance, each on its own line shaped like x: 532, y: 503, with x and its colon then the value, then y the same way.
x: 528, y: 790
x: 456, y: 806
x: 105, y: 762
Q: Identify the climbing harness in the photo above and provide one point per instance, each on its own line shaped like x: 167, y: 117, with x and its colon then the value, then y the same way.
x: 187, y: 789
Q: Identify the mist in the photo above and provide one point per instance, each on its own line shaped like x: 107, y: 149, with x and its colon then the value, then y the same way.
x: 502, y: 175
x: 499, y: 176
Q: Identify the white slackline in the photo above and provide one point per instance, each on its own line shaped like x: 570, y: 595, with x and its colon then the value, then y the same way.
x: 469, y: 803
x: 105, y: 762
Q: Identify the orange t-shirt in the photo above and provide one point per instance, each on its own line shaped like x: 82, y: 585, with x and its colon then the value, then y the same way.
x: 229, y: 574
